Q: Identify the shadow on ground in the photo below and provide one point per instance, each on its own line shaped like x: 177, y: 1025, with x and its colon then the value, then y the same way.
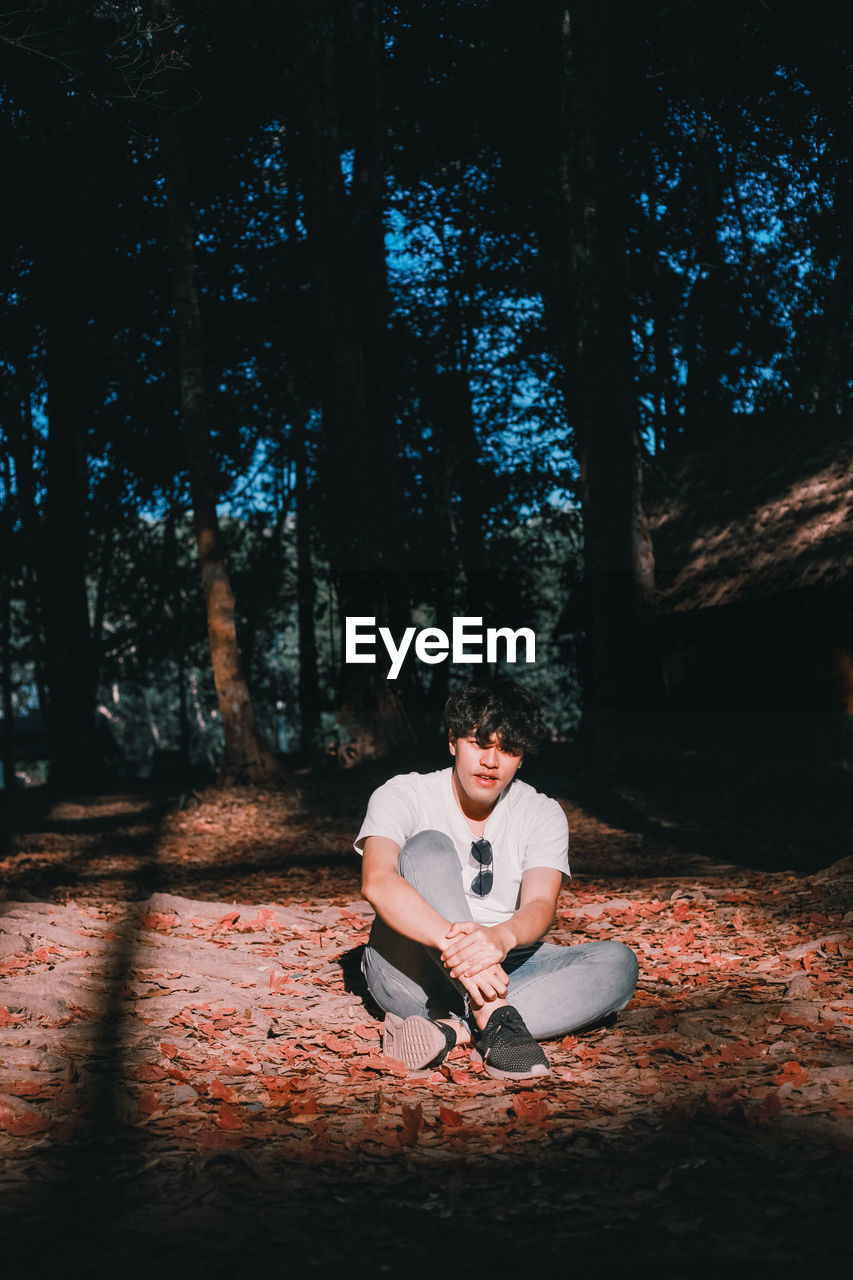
x: 689, y: 1199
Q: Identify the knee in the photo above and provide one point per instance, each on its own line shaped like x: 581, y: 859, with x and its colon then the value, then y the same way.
x: 427, y: 846
x: 623, y: 966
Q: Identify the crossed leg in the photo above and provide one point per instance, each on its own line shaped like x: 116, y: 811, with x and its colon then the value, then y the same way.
x: 555, y: 989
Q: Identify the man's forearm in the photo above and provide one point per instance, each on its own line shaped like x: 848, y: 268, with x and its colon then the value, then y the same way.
x: 527, y: 925
x: 403, y: 909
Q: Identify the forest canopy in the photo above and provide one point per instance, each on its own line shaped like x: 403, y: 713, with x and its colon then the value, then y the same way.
x: 333, y: 310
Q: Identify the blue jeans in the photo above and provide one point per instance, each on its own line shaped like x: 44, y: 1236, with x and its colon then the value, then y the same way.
x: 555, y: 989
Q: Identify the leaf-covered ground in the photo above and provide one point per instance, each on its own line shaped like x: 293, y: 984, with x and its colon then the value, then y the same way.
x: 186, y: 1053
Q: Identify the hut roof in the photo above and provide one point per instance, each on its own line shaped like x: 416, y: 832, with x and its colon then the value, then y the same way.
x: 752, y: 516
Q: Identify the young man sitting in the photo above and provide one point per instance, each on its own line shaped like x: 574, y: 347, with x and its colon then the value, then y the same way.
x: 463, y: 867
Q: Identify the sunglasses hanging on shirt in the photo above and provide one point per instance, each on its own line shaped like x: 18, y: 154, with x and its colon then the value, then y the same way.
x: 481, y: 850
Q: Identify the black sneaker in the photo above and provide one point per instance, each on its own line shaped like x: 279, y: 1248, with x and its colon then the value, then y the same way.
x: 417, y: 1042
x: 508, y: 1050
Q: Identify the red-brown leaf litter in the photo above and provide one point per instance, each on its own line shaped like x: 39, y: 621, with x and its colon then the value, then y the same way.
x: 186, y: 1053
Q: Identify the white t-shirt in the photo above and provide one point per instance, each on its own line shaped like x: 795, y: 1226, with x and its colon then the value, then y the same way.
x: 525, y: 829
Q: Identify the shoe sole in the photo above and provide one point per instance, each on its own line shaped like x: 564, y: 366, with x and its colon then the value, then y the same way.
x: 534, y: 1073
x: 414, y: 1041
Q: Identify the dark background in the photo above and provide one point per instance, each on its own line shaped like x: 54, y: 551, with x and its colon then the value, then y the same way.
x: 419, y: 311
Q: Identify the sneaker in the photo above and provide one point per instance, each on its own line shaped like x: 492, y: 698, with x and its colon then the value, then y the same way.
x: 508, y: 1050
x: 417, y: 1042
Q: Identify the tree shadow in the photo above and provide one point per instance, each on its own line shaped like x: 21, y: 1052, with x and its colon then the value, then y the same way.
x: 95, y: 1166
x: 82, y: 873
x: 688, y: 1196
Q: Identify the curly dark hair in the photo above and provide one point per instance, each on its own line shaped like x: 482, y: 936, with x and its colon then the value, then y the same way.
x: 502, y: 708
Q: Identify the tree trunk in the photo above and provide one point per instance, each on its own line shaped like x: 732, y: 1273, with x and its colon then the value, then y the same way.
x: 464, y: 447
x: 183, y: 714
x: 622, y: 668
x: 830, y: 395
x: 7, y: 754
x: 247, y: 756
x: 440, y: 533
x: 101, y: 594
x: 309, y: 687
x: 70, y: 664
x: 171, y: 602
x: 348, y: 279
x: 6, y: 645
x: 20, y: 435
x: 707, y: 321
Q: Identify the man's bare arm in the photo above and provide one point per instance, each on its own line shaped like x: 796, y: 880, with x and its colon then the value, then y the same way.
x: 471, y: 947
x: 393, y: 899
x: 403, y: 909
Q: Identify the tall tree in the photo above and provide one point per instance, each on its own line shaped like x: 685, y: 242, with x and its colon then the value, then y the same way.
x: 69, y: 316
x: 309, y: 685
x: 591, y: 306
x: 345, y: 239
x: 247, y: 755
x: 7, y: 655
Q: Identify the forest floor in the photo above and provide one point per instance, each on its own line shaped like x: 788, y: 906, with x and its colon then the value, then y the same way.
x: 191, y: 1081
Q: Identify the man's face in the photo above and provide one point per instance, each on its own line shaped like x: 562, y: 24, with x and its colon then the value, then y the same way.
x: 483, y: 773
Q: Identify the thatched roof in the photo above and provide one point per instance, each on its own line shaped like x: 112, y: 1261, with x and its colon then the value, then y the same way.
x: 752, y: 516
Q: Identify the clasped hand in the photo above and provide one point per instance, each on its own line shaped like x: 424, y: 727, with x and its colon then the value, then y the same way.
x: 473, y: 953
